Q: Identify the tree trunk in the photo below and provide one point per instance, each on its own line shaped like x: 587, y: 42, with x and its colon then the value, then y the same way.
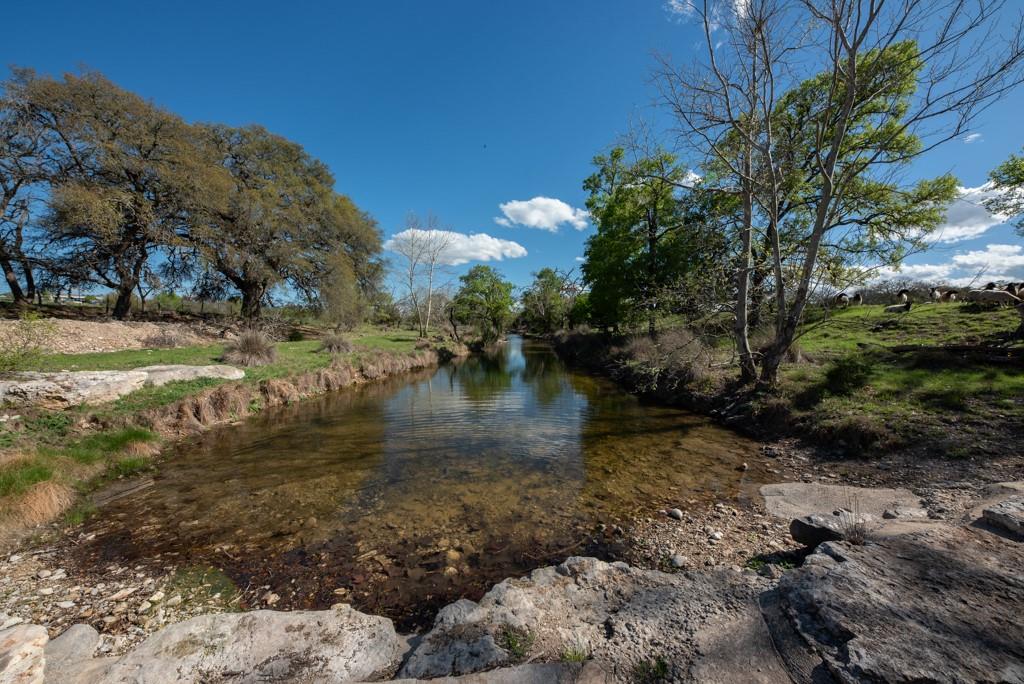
x: 748, y: 369
x: 123, y: 304
x: 652, y: 268
x: 12, y: 281
x: 252, y: 301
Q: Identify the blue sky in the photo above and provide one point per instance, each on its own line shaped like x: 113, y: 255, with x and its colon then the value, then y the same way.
x: 454, y: 108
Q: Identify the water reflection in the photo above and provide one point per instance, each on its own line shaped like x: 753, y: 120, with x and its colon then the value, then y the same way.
x: 414, y: 491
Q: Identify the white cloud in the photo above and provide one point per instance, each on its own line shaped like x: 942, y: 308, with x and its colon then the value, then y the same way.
x: 463, y: 248
x: 1002, y: 258
x: 580, y: 259
x: 545, y: 213
x: 997, y: 262
x: 971, y: 137
x: 967, y: 216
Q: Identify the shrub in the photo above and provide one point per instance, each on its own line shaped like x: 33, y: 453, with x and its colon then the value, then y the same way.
x: 18, y: 476
x: 848, y: 374
x: 335, y: 343
x: 296, y: 335
x: 22, y: 343
x: 250, y: 348
x: 165, y: 338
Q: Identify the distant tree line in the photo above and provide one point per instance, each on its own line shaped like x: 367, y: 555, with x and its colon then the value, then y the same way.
x: 102, y: 188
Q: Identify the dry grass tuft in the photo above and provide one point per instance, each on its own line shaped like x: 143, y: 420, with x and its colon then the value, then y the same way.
x: 250, y: 348
x: 335, y: 343
x: 40, y: 504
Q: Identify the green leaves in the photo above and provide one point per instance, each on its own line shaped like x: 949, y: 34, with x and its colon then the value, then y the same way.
x: 484, y: 301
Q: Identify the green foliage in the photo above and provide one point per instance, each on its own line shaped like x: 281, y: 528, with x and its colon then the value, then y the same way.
x: 847, y: 374
x: 548, y: 302
x: 575, y: 653
x: 484, y: 301
x: 653, y: 240
x: 21, y: 344
x: 517, y: 641
x: 651, y: 671
x: 277, y: 219
x: 16, y: 477
x: 100, y: 446
x: 1008, y: 177
x: 126, y: 467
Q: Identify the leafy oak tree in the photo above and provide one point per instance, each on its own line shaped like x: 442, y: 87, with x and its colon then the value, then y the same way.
x: 124, y: 179
x: 548, y: 302
x: 484, y: 301
x: 277, y: 220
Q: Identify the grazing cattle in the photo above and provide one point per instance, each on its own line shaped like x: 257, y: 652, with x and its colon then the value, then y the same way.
x: 990, y: 286
x: 1016, y: 289
x: 987, y: 296
x: 898, y: 308
x: 949, y: 296
x: 857, y: 299
x: 903, y: 296
x: 841, y: 301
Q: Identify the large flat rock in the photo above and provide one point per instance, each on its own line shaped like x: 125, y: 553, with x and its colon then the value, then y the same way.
x: 788, y: 500
x: 942, y: 605
x: 161, y: 375
x: 71, y: 388
x: 59, y: 390
x: 703, y: 627
x: 337, y: 645
x: 1007, y: 514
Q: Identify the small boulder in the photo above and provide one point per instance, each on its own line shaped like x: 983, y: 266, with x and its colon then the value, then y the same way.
x: 21, y: 654
x: 675, y: 514
x: 1007, y: 514
x: 814, y: 529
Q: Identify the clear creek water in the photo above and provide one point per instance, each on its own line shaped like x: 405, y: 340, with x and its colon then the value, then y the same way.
x: 403, y: 495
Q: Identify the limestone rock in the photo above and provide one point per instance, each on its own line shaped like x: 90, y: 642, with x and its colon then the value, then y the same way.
x: 707, y: 626
x: 811, y: 530
x: 941, y: 605
x: 1007, y: 514
x: 21, y: 654
x: 161, y: 375
x: 337, y: 645
x: 790, y: 500
x: 60, y: 390
x: 534, y: 673
x: 69, y: 657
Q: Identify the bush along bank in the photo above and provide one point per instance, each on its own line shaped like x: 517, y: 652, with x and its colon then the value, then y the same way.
x: 872, y: 398
x: 61, y: 457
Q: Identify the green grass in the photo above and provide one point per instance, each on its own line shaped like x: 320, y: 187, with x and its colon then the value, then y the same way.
x: 516, y: 641
x: 651, y: 671
x: 88, y: 461
x: 15, y: 478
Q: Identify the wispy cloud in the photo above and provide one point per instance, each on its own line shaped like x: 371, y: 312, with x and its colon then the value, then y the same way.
x: 545, y: 213
x: 971, y: 137
x: 967, y: 216
x: 580, y: 259
x: 463, y: 248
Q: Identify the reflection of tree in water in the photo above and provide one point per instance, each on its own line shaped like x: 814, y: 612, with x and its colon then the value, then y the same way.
x: 546, y: 376
x: 484, y: 376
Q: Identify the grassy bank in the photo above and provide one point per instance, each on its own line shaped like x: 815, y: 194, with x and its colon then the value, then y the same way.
x: 941, y: 380
x: 48, y: 458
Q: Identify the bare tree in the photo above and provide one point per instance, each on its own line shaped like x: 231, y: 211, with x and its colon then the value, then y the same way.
x: 809, y: 112
x: 422, y: 247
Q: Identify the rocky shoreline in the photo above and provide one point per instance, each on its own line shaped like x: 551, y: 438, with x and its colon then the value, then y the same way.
x: 844, y: 611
